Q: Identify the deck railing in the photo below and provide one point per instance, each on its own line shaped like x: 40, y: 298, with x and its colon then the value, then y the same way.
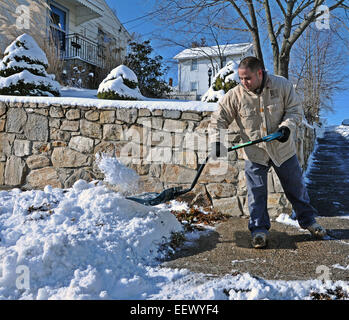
x: 78, y: 46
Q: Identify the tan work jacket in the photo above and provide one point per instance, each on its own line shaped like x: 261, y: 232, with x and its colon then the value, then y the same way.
x: 258, y: 115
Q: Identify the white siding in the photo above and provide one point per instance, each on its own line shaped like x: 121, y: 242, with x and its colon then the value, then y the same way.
x: 186, y: 76
x: 108, y: 22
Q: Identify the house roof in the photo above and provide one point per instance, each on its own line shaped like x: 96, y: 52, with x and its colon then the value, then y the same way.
x: 92, y: 6
x: 202, y: 52
x: 87, y: 11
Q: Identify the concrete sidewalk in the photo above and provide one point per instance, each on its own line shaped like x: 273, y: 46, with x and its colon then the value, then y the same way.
x: 292, y: 254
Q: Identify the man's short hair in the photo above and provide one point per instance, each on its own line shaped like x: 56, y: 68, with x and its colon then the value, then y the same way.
x: 253, y: 63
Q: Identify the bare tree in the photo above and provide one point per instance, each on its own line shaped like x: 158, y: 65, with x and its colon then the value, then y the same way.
x: 317, y: 68
x: 284, y: 21
x: 203, y: 36
x: 297, y: 17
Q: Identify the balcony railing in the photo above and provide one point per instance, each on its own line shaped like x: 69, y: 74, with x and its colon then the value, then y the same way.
x: 79, y: 47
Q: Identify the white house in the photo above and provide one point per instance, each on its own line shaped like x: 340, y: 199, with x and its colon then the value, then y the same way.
x: 194, y: 65
x: 81, y: 28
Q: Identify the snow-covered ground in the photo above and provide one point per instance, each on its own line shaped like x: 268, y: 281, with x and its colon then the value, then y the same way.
x: 89, y: 242
x: 78, y: 92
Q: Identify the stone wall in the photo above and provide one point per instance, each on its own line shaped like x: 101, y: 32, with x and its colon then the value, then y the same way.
x: 42, y: 144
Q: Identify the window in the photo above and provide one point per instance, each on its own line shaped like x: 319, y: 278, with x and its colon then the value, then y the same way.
x: 193, y: 86
x: 58, y: 18
x: 58, y: 26
x: 100, y: 36
x: 101, y: 40
x: 194, y: 64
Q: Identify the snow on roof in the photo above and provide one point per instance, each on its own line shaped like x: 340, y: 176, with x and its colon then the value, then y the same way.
x: 226, y: 50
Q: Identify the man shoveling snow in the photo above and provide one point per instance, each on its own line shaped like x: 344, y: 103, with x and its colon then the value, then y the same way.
x: 262, y: 104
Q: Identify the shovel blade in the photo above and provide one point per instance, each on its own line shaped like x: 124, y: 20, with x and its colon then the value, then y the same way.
x: 153, y: 198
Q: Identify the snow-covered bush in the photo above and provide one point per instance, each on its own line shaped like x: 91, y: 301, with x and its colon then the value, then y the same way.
x: 23, y: 70
x: 226, y: 79
x: 120, y: 84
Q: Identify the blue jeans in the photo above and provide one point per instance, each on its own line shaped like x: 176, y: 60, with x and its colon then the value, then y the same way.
x: 290, y: 175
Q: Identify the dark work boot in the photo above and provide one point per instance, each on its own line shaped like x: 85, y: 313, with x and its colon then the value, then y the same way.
x: 259, y: 240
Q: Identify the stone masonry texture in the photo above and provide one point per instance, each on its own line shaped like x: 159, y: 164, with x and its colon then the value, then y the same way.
x: 52, y: 144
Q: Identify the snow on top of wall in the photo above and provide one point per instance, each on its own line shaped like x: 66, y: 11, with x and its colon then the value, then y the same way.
x: 151, y: 104
x: 202, y: 52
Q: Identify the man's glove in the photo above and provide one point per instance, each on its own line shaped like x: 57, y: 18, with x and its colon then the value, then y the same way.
x: 218, y: 150
x: 285, y: 134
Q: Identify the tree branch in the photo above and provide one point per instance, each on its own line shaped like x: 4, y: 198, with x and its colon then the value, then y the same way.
x: 278, y: 31
x: 281, y: 7
x: 255, y: 32
x: 312, y: 16
x: 272, y: 36
x: 301, y: 7
x: 241, y: 14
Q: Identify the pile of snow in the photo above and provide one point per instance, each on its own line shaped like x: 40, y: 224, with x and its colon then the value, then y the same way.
x: 120, y: 84
x: 224, y: 80
x: 117, y: 174
x: 86, y: 242
x: 23, y: 70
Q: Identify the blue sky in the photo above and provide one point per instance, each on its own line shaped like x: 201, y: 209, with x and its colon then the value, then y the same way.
x: 130, y: 13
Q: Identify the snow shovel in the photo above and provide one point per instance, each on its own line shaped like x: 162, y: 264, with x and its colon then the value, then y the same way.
x: 154, y: 198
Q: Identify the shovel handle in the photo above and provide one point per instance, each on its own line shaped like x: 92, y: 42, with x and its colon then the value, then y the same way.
x: 267, y: 138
